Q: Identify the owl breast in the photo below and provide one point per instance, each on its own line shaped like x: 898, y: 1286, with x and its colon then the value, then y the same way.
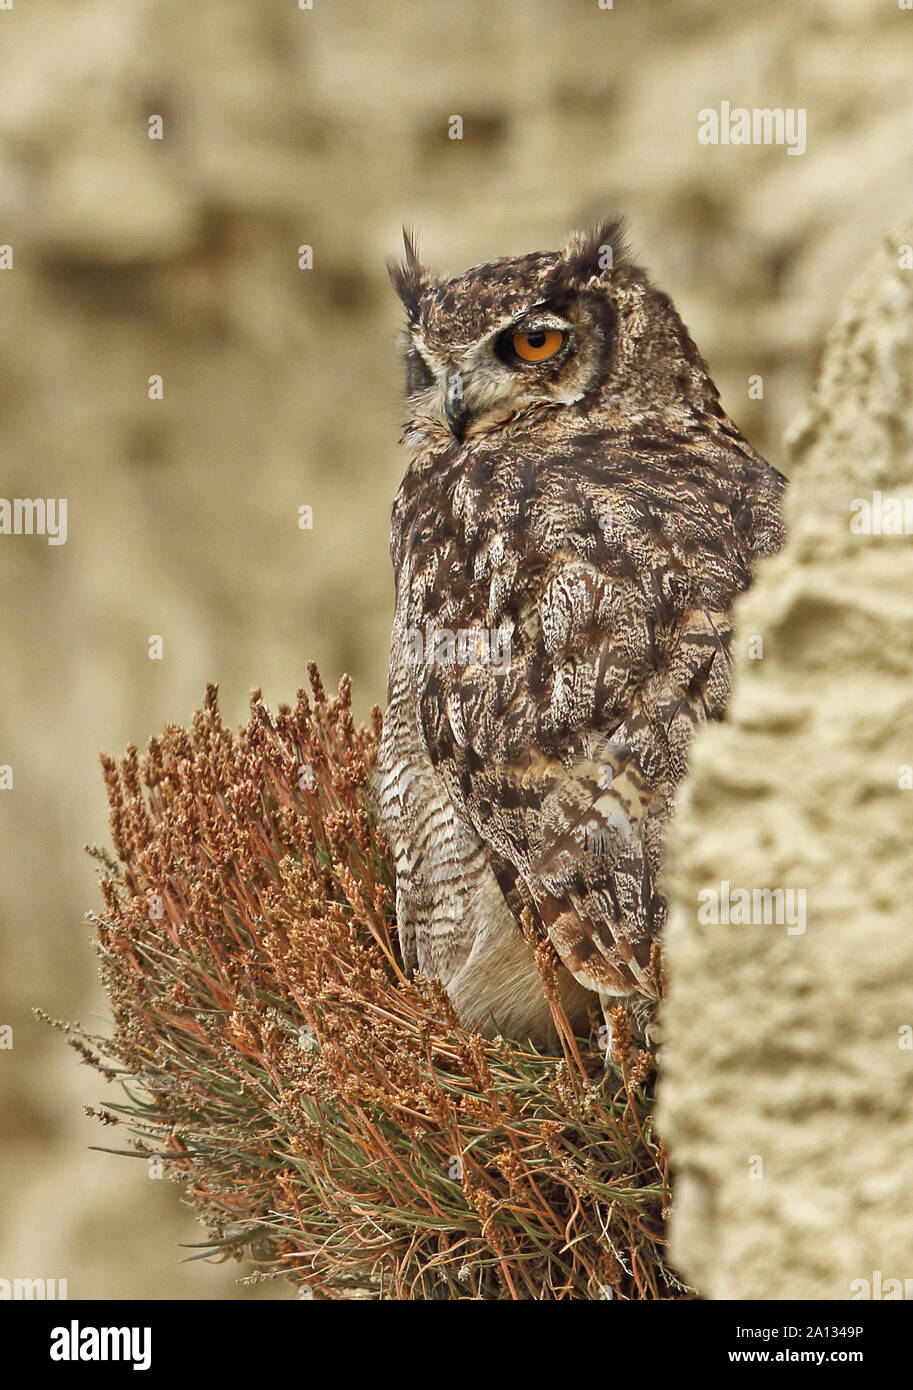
x: 453, y: 920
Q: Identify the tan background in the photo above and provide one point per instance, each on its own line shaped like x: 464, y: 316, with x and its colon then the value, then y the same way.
x: 787, y: 1087
x: 132, y: 257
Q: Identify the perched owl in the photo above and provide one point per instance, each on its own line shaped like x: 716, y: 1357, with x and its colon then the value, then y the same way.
x: 578, y: 515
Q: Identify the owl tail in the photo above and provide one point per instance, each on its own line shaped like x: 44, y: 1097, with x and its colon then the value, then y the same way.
x: 591, y: 877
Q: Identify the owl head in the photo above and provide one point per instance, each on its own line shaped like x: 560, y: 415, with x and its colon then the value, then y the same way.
x: 568, y: 330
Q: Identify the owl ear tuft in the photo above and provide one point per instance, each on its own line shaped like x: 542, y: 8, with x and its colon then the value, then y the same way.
x: 592, y: 255
x: 409, y: 277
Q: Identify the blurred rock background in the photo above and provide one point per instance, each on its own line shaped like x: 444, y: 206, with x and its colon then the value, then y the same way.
x: 133, y: 257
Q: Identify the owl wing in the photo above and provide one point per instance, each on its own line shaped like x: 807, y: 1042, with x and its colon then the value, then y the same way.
x: 564, y: 756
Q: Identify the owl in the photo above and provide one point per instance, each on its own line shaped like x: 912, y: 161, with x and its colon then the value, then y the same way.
x: 578, y: 515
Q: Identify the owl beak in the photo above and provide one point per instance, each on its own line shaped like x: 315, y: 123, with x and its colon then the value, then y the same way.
x: 455, y: 404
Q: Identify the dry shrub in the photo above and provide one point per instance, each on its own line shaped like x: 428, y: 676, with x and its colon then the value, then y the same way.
x: 329, y: 1118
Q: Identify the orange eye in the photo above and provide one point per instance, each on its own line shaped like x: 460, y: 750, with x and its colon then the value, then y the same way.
x: 538, y: 345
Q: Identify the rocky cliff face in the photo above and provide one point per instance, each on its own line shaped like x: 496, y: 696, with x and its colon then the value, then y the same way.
x: 787, y: 1095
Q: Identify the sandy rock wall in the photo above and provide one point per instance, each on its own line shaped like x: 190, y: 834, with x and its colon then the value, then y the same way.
x: 787, y: 1096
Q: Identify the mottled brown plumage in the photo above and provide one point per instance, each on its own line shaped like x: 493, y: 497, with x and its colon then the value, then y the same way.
x: 567, y: 542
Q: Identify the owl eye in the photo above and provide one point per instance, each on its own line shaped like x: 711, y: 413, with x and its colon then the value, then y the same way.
x: 538, y: 345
